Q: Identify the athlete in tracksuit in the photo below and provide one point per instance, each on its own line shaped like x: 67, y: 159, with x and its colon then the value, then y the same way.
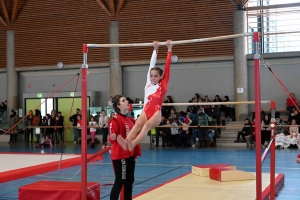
x: 123, y: 160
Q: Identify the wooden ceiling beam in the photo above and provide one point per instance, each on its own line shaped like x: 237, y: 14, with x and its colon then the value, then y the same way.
x: 103, y: 6
x: 288, y: 5
x: 244, y: 2
x: 15, y: 11
x: 112, y: 6
x: 120, y: 6
x: 5, y: 11
x: 3, y: 21
x: 240, y: 2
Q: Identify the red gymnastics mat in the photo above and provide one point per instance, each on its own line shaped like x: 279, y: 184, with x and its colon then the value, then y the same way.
x: 50, y: 190
x: 16, y: 166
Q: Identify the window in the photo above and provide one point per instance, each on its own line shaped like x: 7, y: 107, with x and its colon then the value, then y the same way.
x: 280, y: 27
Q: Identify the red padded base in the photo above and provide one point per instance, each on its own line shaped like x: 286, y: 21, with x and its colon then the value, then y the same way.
x: 279, y: 182
x: 215, y: 173
x: 50, y: 190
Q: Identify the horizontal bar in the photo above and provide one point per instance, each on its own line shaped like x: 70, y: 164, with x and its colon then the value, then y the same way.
x: 173, y: 42
x: 209, y: 103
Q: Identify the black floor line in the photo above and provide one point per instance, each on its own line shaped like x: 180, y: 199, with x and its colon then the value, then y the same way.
x: 157, y: 176
x: 150, y: 178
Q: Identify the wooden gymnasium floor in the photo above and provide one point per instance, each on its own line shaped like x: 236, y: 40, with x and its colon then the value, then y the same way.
x: 195, y: 187
x: 155, y: 168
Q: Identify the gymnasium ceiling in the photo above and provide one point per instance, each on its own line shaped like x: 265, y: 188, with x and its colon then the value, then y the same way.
x: 10, y: 9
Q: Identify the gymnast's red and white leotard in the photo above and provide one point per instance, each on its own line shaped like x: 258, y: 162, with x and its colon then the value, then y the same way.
x: 154, y: 94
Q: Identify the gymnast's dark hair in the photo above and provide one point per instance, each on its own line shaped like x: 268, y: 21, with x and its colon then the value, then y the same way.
x: 116, y: 102
x: 160, y: 71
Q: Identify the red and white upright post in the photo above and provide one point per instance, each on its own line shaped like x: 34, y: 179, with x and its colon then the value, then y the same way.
x: 84, y: 67
x: 257, y: 116
x: 272, y: 152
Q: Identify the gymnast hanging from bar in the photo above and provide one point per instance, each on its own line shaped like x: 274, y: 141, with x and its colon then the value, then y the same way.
x: 155, y: 89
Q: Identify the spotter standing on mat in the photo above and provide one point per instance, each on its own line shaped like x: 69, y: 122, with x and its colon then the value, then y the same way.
x: 155, y: 90
x: 123, y: 160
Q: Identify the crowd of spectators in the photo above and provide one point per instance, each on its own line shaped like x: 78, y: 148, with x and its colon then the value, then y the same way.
x: 34, y: 121
x: 187, y: 136
x: 36, y: 130
x: 191, y: 131
x: 286, y: 136
x: 97, y: 123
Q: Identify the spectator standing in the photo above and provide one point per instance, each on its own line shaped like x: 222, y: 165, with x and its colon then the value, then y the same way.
x: 253, y: 129
x: 57, y: 131
x: 265, y: 130
x: 174, y: 131
x: 174, y: 115
x: 29, y: 131
x: 12, y: 123
x: 103, y: 122
x: 167, y: 134
x: 184, y: 135
x: 202, y: 120
x: 166, y: 110
x: 291, y: 101
x: 73, y: 119
x: 78, y: 126
x: 160, y: 132
x: 37, y: 120
x: 92, y: 125
x: 110, y: 101
x: 48, y: 131
x: 112, y: 114
x: 61, y: 121
x: 3, y: 109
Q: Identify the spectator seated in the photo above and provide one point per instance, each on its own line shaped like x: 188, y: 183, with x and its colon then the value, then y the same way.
x: 247, y: 130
